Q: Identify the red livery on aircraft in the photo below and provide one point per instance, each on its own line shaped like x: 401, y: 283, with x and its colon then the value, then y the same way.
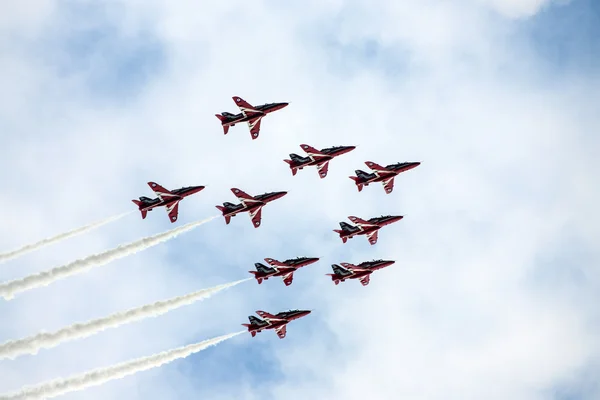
x: 369, y: 228
x: 166, y: 198
x: 320, y: 158
x: 270, y: 321
x: 250, y: 114
x: 249, y: 204
x: 362, y: 271
x: 385, y: 174
x: 285, y: 268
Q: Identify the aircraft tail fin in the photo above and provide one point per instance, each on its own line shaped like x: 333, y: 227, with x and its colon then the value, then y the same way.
x: 227, y: 217
x: 255, y: 273
x: 357, y: 181
x: 334, y: 278
x: 140, y: 204
x: 341, y: 232
x: 253, y: 333
x: 223, y: 120
x: 291, y: 164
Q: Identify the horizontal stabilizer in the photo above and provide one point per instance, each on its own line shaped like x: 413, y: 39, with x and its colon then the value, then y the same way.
x: 292, y: 167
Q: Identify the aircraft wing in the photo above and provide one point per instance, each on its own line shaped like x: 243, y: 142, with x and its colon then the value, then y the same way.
x: 244, y: 197
x: 288, y: 278
x: 254, y: 125
x: 310, y: 150
x: 161, y: 192
x: 322, y: 169
x: 281, y: 331
x: 246, y: 108
x: 375, y: 166
x: 372, y: 237
x: 388, y: 185
x: 256, y: 216
x: 360, y: 221
x: 274, y: 262
x: 365, y: 280
x: 173, y: 211
x: 268, y: 316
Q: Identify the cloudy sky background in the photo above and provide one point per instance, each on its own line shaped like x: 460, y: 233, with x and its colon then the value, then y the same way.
x: 496, y: 288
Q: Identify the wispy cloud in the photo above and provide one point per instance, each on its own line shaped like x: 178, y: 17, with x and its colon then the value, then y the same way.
x: 472, y: 305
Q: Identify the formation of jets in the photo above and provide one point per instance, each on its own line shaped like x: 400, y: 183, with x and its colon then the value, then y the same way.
x: 253, y: 205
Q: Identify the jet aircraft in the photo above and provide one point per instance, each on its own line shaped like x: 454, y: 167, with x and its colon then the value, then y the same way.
x: 362, y: 271
x: 285, y: 268
x: 249, y: 204
x: 278, y: 321
x: 250, y: 114
x: 369, y: 228
x: 168, y: 198
x: 385, y: 174
x: 320, y: 158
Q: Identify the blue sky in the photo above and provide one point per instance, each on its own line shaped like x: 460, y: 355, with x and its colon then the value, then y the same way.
x: 495, y: 289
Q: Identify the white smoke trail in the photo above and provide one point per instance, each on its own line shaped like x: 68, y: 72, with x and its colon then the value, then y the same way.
x: 55, y: 239
x: 8, y: 289
x: 32, y: 344
x: 99, y: 376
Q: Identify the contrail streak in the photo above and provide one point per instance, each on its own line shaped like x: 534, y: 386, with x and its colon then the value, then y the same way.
x: 8, y: 289
x: 32, y: 344
x: 99, y: 376
x: 55, y: 239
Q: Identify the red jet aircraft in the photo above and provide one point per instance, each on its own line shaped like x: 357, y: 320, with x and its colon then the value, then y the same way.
x: 285, y: 269
x: 167, y: 198
x: 251, y: 115
x: 385, y: 174
x: 369, y: 228
x: 361, y: 271
x: 320, y: 158
x: 249, y: 204
x: 270, y: 321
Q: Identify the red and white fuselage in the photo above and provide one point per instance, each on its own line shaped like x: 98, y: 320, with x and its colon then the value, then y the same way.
x: 251, y: 204
x: 381, y: 174
x: 284, y: 269
x: 166, y: 198
x: 362, y: 271
x: 249, y: 113
x: 278, y: 322
x: 369, y: 228
x: 319, y: 158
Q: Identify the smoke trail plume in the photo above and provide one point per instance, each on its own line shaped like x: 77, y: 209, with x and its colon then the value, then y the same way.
x: 55, y: 239
x: 32, y: 344
x: 8, y: 289
x: 99, y: 376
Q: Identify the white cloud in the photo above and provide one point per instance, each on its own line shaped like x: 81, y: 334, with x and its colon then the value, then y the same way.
x: 520, y: 8
x: 506, y: 171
